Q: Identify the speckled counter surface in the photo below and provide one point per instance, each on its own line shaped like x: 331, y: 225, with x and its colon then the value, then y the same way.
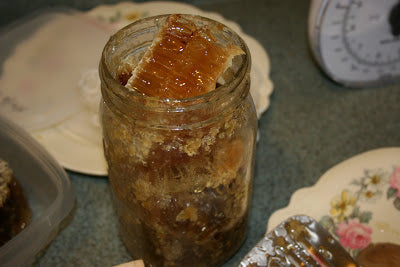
x: 311, y: 125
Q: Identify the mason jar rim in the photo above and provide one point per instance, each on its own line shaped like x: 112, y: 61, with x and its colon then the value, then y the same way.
x: 170, y: 104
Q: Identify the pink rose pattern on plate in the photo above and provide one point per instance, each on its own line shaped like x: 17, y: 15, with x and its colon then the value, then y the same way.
x: 394, y: 190
x: 346, y: 221
x: 353, y: 234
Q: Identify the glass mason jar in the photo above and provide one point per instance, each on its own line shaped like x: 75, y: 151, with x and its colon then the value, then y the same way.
x: 180, y: 169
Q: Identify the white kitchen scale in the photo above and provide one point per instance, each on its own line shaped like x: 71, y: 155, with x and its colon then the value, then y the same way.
x: 356, y: 42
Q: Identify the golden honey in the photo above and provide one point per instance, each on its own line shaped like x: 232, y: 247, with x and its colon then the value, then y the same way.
x: 180, y: 150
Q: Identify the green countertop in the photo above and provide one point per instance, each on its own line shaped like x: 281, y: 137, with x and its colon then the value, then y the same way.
x: 311, y: 125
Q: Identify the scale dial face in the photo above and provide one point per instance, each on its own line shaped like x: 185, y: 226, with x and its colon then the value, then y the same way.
x: 357, y: 41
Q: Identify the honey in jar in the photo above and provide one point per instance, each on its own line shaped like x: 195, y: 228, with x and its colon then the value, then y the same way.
x: 179, y: 129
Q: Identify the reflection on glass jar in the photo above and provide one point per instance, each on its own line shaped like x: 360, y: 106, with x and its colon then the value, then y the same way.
x: 180, y: 169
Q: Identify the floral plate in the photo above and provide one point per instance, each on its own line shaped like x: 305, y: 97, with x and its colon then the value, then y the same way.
x: 358, y: 200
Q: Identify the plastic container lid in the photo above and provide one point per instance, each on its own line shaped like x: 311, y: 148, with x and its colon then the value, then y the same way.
x: 46, y: 186
x: 49, y: 84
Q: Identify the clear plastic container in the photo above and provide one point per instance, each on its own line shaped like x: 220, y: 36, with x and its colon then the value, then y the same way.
x: 47, y: 188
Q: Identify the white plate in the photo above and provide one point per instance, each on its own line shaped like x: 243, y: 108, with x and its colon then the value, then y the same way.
x: 368, y: 186
x: 84, y: 141
x: 75, y: 139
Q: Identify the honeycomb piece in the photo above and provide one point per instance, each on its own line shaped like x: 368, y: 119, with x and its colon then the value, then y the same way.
x: 15, y: 213
x: 183, y: 61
